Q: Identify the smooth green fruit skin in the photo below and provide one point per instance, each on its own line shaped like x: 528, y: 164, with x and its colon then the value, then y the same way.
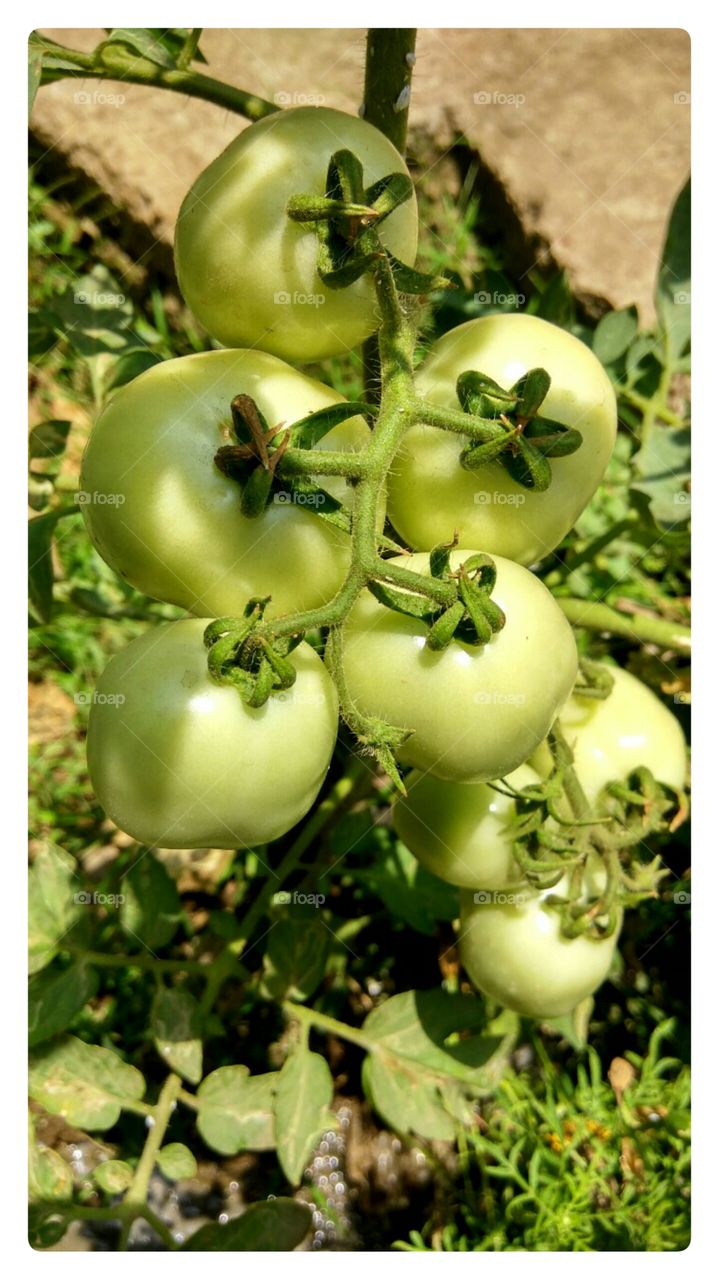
x: 180, y: 762
x: 457, y: 830
x: 513, y: 950
x: 476, y: 712
x: 165, y: 518
x: 248, y: 272
x: 430, y: 495
x: 611, y: 737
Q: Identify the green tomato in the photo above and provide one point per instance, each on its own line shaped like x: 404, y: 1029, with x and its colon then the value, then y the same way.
x: 513, y: 949
x: 248, y: 272
x: 167, y: 520
x: 430, y: 495
x: 610, y: 737
x: 475, y: 712
x: 180, y: 762
x: 458, y: 830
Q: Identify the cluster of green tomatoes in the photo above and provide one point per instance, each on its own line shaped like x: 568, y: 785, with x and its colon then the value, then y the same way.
x: 191, y: 496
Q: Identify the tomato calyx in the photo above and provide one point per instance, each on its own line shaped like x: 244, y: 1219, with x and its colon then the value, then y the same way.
x: 472, y: 617
x: 514, y: 433
x: 345, y: 222
x: 239, y: 654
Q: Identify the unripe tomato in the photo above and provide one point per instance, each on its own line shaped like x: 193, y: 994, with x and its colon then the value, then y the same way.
x: 610, y: 737
x: 431, y: 495
x: 513, y: 949
x: 458, y: 830
x: 163, y: 515
x: 476, y: 712
x: 248, y: 272
x: 180, y: 762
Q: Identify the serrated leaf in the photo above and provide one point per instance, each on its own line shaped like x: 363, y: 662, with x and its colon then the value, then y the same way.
x: 304, y: 1093
x: 418, y: 1072
x: 615, y: 334
x: 296, y: 957
x: 662, y: 472
x: 409, y: 893
x: 113, y: 1176
x: 52, y: 910
x: 175, y: 1026
x: 275, y: 1226
x: 673, y: 293
x: 49, y: 1176
x: 150, y: 912
x: 176, y: 1161
x: 236, y: 1110
x: 83, y: 1083
x: 54, y: 998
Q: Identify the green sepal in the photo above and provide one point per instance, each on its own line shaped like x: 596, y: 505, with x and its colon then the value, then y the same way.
x: 414, y: 606
x: 324, y: 208
x: 256, y: 493
x: 345, y: 177
x: 439, y: 558
x: 481, y: 396
x: 389, y: 193
x: 341, y: 277
x: 308, y: 431
x: 553, y: 439
x: 416, y: 282
x: 527, y: 466
x: 595, y: 680
x: 319, y: 502
x: 442, y: 631
x: 530, y: 391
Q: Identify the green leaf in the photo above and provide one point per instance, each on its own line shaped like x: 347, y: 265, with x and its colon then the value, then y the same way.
x: 95, y: 315
x: 274, y: 1226
x: 409, y: 893
x: 48, y: 439
x: 143, y: 40
x: 236, y: 1110
x: 49, y: 1176
x: 615, y: 334
x: 176, y: 1161
x: 52, y: 906
x: 175, y: 1026
x: 42, y: 332
x: 307, y: 432
x: 662, y: 472
x: 130, y: 364
x: 420, y: 1075
x: 150, y: 912
x: 673, y: 293
x: 304, y: 1093
x: 296, y: 956
x: 40, y: 532
x: 113, y: 1176
x: 34, y: 76
x: 55, y: 998
x: 83, y: 1083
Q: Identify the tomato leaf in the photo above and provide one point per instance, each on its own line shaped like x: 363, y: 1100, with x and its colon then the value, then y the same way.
x: 236, y: 1110
x: 54, y: 998
x: 176, y: 1161
x: 113, y: 1176
x: 304, y: 1093
x: 83, y: 1083
x: 296, y: 955
x: 274, y: 1226
x: 615, y: 334
x: 662, y: 472
x: 673, y: 292
x: 54, y: 904
x: 150, y: 912
x: 175, y: 1026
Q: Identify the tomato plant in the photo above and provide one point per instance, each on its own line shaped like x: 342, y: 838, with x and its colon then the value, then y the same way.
x: 181, y: 762
x: 249, y: 274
